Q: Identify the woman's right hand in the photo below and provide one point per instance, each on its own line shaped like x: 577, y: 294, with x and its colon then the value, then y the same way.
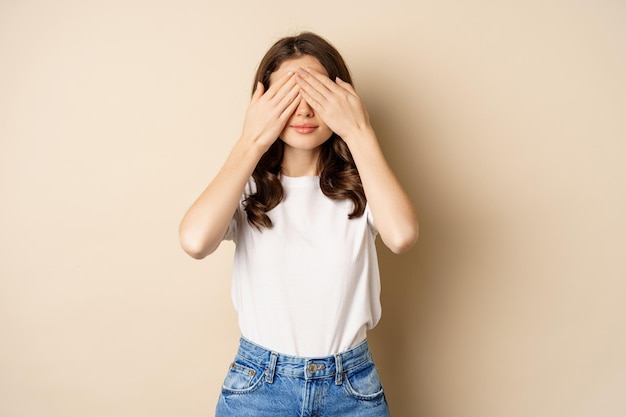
x: 268, y: 112
x: 206, y: 222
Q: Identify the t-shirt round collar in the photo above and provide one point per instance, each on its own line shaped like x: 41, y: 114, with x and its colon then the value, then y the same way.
x: 298, y: 182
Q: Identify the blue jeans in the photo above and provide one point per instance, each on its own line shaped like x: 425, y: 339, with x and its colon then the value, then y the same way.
x: 262, y: 383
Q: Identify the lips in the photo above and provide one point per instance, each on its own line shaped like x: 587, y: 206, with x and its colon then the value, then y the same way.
x: 304, y: 128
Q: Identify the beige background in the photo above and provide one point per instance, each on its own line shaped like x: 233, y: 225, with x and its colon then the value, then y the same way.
x: 505, y: 120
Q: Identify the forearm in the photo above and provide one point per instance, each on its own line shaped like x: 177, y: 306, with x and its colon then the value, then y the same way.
x: 393, y: 212
x: 204, y: 225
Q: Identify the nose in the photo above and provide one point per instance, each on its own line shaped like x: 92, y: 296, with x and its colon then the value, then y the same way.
x: 304, y: 109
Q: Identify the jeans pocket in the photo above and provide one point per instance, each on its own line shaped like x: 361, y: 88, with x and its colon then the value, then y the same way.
x: 242, y: 378
x: 363, y: 383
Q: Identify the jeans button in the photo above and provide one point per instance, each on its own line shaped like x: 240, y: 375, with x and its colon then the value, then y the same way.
x: 313, y: 367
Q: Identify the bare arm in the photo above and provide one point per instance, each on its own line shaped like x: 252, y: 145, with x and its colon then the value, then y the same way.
x: 205, y: 224
x: 394, y: 214
x: 342, y: 110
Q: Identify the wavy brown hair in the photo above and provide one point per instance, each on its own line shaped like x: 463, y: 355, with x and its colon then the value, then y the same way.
x: 339, y: 177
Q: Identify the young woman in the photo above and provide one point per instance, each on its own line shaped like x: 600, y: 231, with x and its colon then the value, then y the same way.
x: 303, y: 194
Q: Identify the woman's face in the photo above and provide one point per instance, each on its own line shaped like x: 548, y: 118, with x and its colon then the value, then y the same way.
x: 304, y: 130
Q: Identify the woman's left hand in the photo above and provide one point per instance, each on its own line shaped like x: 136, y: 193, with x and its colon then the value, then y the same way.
x: 337, y: 104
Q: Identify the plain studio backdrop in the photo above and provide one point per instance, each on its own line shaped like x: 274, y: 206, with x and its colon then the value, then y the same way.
x: 505, y: 121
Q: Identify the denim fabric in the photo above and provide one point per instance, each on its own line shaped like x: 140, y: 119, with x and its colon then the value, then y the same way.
x: 262, y: 383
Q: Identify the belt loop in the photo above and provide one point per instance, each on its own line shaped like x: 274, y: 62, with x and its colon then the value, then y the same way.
x: 271, y: 368
x: 338, y: 369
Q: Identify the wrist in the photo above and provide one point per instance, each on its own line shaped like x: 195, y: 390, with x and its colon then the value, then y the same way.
x: 255, y: 145
x: 249, y: 150
x: 360, y: 137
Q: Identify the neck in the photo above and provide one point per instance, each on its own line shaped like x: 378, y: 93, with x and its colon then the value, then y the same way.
x: 300, y: 163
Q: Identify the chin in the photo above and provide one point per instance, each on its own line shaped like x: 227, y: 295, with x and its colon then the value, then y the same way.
x: 304, y: 143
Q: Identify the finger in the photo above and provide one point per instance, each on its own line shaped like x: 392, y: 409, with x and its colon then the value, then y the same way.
x: 259, y: 91
x: 289, y: 97
x: 286, y: 90
x: 278, y: 85
x: 291, y: 108
x: 312, y: 93
x: 317, y: 79
x: 316, y: 105
x: 346, y: 86
x: 284, y: 95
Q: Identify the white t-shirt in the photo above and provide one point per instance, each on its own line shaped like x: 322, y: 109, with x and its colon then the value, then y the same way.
x: 310, y: 285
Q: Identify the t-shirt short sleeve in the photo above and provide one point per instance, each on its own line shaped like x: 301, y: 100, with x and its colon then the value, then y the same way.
x: 232, y: 227
x: 240, y: 213
x: 370, y: 220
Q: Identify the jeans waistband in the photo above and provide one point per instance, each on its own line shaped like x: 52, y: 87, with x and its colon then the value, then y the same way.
x: 304, y: 367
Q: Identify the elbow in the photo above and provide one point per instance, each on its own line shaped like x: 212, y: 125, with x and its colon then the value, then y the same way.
x: 403, y: 240
x: 195, y: 254
x: 194, y: 246
x: 192, y: 249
